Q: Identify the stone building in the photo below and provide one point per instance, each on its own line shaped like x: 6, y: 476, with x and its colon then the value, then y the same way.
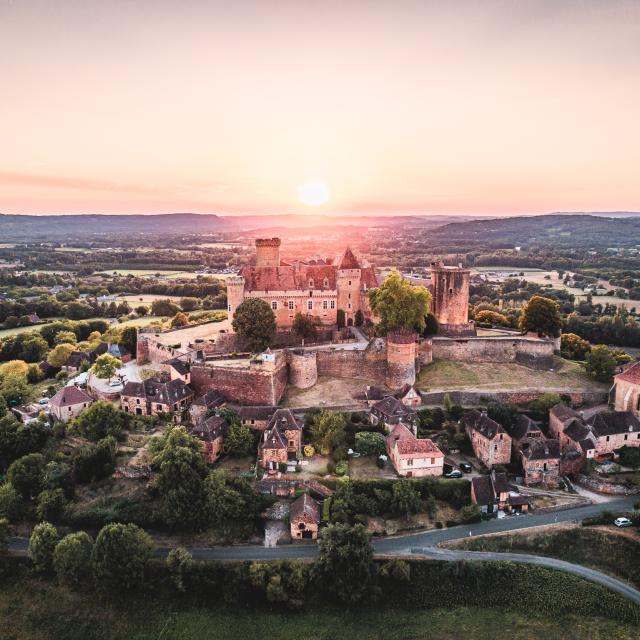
x: 491, y: 443
x: 317, y: 288
x: 413, y: 457
x: 450, y: 304
x: 282, y: 440
x: 211, y: 432
x: 493, y: 493
x: 151, y: 397
x: 256, y: 417
x: 304, y: 518
x: 626, y: 390
x: 204, y: 404
x: 69, y: 403
x: 392, y: 411
x: 539, y: 455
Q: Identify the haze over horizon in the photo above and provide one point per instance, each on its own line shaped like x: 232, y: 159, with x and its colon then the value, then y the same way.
x: 493, y: 108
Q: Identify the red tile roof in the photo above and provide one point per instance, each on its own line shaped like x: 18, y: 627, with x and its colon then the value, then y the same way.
x: 631, y: 374
x: 347, y: 260
x: 411, y: 447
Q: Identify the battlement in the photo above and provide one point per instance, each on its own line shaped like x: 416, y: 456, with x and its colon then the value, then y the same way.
x: 268, y: 242
x: 268, y: 252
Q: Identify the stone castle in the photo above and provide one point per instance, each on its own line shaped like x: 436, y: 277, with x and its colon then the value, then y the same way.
x: 319, y: 288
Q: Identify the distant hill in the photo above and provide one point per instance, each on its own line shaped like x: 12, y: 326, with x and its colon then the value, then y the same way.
x: 566, y: 230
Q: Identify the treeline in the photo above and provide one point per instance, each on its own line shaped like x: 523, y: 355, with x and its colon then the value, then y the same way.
x: 619, y: 330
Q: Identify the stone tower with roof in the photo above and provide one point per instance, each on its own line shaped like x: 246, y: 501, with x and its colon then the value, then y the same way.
x: 348, y: 283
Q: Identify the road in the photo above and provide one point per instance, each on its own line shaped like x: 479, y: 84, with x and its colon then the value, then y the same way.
x: 424, y: 543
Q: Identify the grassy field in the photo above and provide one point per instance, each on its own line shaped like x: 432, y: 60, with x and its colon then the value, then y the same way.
x: 447, y: 374
x: 604, y: 548
x: 33, y: 610
x: 141, y: 322
x: 150, y: 273
x: 526, y: 270
x: 146, y: 299
x: 329, y: 391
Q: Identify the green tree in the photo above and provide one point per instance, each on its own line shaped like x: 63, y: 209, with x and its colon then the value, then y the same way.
x: 341, y: 318
x: 26, y: 474
x: 42, y: 544
x: 51, y: 504
x: 304, y: 327
x: 34, y: 374
x: 94, y: 462
x: 11, y: 505
x: 430, y: 325
x: 72, y: 559
x: 405, y: 498
x: 60, y: 354
x: 345, y: 567
x: 14, y: 368
x: 239, y: 440
x: 58, y: 475
x: 573, y: 347
x: 328, y: 431
x: 65, y: 337
x: 600, y: 363
x: 164, y: 308
x: 370, y: 443
x: 179, y: 565
x: 255, y: 324
x: 491, y: 317
x: 101, y: 419
x: 179, y: 320
x: 189, y: 304
x: 4, y: 536
x: 399, y: 305
x: 541, y: 315
x: 129, y: 339
x: 225, y: 502
x: 106, y: 366
x: 15, y: 389
x: 181, y: 472
x: 120, y: 557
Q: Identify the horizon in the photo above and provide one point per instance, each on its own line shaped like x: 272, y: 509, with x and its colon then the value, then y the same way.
x: 495, y: 109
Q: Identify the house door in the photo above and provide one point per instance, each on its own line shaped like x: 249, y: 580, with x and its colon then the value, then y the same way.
x: 409, y: 474
x: 138, y: 411
x: 307, y: 534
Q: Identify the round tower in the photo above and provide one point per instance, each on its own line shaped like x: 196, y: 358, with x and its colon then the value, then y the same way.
x: 268, y: 252
x: 235, y: 294
x: 303, y: 368
x: 450, y: 305
x: 401, y: 359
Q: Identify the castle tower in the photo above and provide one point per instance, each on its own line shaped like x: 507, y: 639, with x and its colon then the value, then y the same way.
x: 235, y: 294
x: 450, y: 305
x: 348, y: 279
x: 268, y: 252
x: 401, y: 359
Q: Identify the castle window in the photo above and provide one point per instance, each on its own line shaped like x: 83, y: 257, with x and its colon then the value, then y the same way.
x: 450, y: 290
x: 349, y: 282
x: 310, y: 283
x: 349, y: 296
x: 333, y: 304
x: 349, y: 306
x: 310, y: 304
x: 325, y: 283
x: 325, y: 304
x: 290, y: 305
x: 274, y: 305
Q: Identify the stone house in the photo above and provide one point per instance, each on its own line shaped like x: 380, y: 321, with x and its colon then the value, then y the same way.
x: 304, y: 518
x: 491, y: 443
x: 152, y: 397
x: 75, y: 360
x: 413, y: 457
x: 211, y: 432
x: 409, y: 396
x: 625, y: 392
x: 282, y: 440
x: 392, y: 411
x: 539, y: 455
x: 178, y: 369
x: 256, y: 417
x: 69, y: 403
x: 614, y: 429
x: 493, y: 493
x: 203, y: 404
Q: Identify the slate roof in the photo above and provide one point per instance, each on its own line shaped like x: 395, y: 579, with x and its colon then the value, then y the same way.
x: 541, y: 449
x: 76, y: 358
x: 160, y: 392
x: 482, y: 423
x: 210, y: 429
x: 284, y: 420
x: 209, y: 399
x: 563, y: 412
x: 304, y: 505
x: 525, y: 427
x: 256, y: 413
x: 373, y: 393
x: 630, y: 374
x: 393, y: 408
x: 179, y: 365
x: 347, y: 260
x: 487, y: 489
x: 577, y: 430
x: 69, y: 396
x: 610, y: 423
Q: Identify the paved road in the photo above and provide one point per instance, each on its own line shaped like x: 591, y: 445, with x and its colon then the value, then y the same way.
x: 424, y: 544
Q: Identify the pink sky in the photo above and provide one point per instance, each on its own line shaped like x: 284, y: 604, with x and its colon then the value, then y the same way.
x: 485, y: 107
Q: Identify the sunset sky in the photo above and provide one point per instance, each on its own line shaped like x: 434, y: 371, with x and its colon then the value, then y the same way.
x: 483, y: 107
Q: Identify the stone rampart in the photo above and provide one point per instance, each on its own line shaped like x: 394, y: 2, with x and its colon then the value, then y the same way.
x: 303, y: 368
x: 473, y: 398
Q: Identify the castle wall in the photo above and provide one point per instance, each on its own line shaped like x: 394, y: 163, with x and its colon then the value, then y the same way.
x: 369, y: 364
x: 401, y: 360
x: 303, y: 369
x: 450, y: 296
x: 537, y: 354
x: 321, y: 304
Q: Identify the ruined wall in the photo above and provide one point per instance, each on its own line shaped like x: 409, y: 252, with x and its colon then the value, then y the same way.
x: 450, y: 294
x: 537, y: 354
x: 370, y: 363
x: 150, y: 350
x: 244, y: 385
x: 303, y: 369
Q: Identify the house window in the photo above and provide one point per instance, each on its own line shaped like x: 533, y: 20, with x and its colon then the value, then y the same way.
x: 290, y: 305
x: 310, y: 305
x: 229, y: 309
x: 349, y: 306
x: 349, y: 282
x: 333, y: 304
x: 325, y: 283
x: 432, y: 460
x: 607, y: 438
x: 325, y: 304
x: 274, y: 305
x: 292, y: 443
x: 138, y: 401
x: 410, y: 462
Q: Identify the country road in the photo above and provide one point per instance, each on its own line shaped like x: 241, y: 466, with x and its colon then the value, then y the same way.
x: 424, y: 544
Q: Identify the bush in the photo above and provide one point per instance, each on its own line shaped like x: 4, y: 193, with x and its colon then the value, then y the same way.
x: 370, y: 444
x: 51, y: 504
x: 11, y: 505
x: 42, y: 544
x: 342, y: 468
x: 180, y: 564
x: 72, y: 559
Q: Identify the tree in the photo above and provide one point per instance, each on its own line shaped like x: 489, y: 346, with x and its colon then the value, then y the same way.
x: 430, y: 325
x: 94, y: 462
x: 120, y: 556
x: 345, y: 567
x: 573, y: 347
x: 42, y: 544
x: 541, y: 315
x: 58, y: 475
x: 179, y: 565
x: 239, y: 441
x: 129, y: 339
x: 11, y: 504
x: 65, y: 337
x: 72, y: 559
x: 4, y: 536
x: 189, y: 304
x: 101, y: 419
x: 304, y: 327
x: 369, y: 443
x: 17, y: 368
x: 142, y: 310
x: 341, y: 318
x: 26, y: 473
x: 179, y: 320
x: 106, y: 366
x: 15, y: 389
x: 491, y: 317
x: 59, y: 355
x: 182, y: 470
x: 34, y: 374
x: 405, y: 498
x: 399, y: 305
x: 255, y: 324
x: 164, y: 308
x: 600, y: 363
x: 328, y: 431
x: 51, y: 504
x: 358, y: 319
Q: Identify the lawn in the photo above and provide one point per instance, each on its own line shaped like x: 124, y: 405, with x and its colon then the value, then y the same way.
x: 150, y: 273
x: 35, y: 610
x: 142, y: 322
x: 448, y: 374
x: 328, y: 391
x: 606, y: 549
x: 135, y: 300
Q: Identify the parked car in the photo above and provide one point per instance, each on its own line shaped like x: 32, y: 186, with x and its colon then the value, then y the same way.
x: 115, y: 383
x: 622, y: 522
x: 43, y: 401
x: 454, y: 473
x: 466, y: 467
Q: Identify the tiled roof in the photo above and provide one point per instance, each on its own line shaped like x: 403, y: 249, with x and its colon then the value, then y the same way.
x: 631, y: 374
x: 481, y: 423
x: 304, y: 505
x: 209, y: 429
x: 160, y: 392
x: 610, y: 423
x: 391, y: 407
x: 256, y: 413
x: 347, y: 260
x: 563, y: 412
x: 68, y: 396
x: 409, y: 446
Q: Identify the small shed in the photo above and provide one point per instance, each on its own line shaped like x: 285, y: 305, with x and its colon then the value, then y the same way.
x: 304, y: 517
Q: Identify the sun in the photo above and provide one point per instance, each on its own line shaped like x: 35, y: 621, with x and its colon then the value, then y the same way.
x: 313, y: 193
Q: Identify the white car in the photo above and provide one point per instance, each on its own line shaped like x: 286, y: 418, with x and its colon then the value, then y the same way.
x: 622, y: 522
x: 115, y: 383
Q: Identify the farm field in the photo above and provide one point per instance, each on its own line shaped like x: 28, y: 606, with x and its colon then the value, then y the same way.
x: 142, y: 322
x: 146, y: 299
x: 150, y: 273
